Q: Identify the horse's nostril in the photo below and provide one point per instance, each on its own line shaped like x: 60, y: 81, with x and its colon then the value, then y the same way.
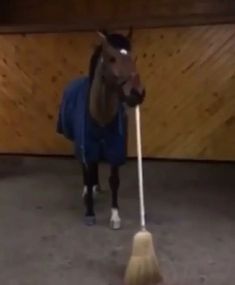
x: 123, y: 82
x: 116, y: 73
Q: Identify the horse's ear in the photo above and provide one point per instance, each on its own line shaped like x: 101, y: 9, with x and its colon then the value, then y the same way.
x: 102, y: 33
x: 130, y: 33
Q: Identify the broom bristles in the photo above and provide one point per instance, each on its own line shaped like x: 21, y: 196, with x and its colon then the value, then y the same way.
x: 143, y: 267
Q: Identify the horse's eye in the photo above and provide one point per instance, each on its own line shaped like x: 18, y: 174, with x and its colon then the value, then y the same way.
x: 112, y: 59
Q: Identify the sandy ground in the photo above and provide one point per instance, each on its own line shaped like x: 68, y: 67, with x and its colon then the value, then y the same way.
x: 190, y: 211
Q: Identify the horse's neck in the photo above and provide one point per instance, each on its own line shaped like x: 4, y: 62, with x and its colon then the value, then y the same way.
x: 103, y: 99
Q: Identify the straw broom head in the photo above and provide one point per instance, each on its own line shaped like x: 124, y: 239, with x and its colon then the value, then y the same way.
x: 143, y: 268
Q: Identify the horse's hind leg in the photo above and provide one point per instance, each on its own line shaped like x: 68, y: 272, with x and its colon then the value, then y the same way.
x: 97, y: 187
x: 84, y: 175
x: 114, y: 182
x: 89, y: 180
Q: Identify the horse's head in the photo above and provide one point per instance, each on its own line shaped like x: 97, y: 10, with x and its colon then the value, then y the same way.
x: 113, y: 76
x: 116, y: 56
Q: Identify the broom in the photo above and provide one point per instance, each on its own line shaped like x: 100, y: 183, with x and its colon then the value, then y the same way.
x: 143, y: 268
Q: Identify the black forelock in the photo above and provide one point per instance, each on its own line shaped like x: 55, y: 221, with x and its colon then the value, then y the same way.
x: 119, y: 41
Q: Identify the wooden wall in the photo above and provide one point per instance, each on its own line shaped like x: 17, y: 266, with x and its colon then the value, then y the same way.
x: 188, y: 72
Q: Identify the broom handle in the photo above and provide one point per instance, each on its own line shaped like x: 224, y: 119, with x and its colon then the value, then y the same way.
x: 140, y: 167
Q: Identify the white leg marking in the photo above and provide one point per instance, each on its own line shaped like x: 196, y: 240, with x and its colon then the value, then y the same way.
x: 95, y: 191
x: 115, y: 220
x: 84, y: 192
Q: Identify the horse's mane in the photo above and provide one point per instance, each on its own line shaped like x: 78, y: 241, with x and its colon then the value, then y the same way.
x: 93, y: 62
x: 117, y: 41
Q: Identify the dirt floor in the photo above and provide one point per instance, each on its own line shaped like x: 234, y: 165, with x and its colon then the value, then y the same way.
x: 190, y: 211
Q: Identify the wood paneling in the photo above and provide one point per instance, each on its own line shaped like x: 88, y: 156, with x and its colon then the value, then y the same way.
x: 54, y: 15
x: 189, y: 74
x: 191, y: 80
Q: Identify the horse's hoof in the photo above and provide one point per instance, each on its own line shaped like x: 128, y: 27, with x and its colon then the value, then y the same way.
x: 90, y: 220
x: 115, y: 224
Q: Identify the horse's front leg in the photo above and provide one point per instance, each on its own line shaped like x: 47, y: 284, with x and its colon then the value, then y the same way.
x: 95, y: 179
x: 114, y: 182
x: 89, y: 175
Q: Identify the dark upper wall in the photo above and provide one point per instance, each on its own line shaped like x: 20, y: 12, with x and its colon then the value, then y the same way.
x: 86, y: 14
x: 4, y: 11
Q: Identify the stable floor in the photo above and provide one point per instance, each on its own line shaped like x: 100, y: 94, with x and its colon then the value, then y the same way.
x: 190, y: 211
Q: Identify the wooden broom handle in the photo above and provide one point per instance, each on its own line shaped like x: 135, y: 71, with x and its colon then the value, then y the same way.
x: 140, y: 168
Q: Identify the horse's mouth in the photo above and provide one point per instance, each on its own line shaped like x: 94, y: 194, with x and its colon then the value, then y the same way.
x: 123, y: 82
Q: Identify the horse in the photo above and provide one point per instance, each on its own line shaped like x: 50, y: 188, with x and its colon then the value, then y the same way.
x: 94, y: 115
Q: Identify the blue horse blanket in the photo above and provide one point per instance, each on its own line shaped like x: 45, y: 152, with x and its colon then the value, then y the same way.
x: 92, y: 143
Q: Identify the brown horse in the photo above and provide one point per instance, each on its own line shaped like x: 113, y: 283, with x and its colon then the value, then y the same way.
x: 113, y: 84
